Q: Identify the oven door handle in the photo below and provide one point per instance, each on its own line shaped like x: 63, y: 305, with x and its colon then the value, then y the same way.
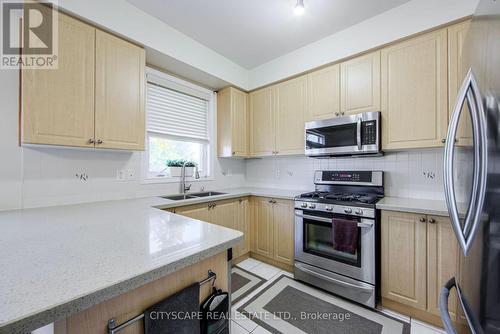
x: 329, y: 220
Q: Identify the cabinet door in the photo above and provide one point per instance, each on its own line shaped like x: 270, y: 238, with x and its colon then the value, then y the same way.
x: 119, y: 101
x: 442, y: 262
x: 232, y: 123
x: 224, y: 213
x: 199, y: 212
x: 360, y: 84
x: 58, y: 105
x: 243, y: 225
x: 289, y: 116
x: 262, y: 122
x: 239, y: 123
x: 283, y: 220
x: 404, y: 277
x: 414, y: 92
x: 323, y: 89
x: 457, y: 70
x: 262, y: 242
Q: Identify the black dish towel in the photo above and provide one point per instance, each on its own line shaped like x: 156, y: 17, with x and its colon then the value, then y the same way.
x: 176, y: 314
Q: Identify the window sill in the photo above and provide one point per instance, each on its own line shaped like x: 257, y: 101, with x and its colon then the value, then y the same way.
x: 154, y: 180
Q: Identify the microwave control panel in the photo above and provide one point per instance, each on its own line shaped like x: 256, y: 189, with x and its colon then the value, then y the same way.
x: 369, y: 132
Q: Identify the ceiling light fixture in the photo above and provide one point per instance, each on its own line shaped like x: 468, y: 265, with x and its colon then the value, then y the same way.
x: 299, y: 8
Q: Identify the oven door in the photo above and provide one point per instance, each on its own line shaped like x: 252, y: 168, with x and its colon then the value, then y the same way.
x: 355, y: 134
x: 314, y: 245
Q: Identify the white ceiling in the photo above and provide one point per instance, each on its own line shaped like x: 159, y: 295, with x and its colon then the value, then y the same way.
x: 253, y: 32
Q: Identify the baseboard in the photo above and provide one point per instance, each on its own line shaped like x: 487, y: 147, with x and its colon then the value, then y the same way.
x: 240, y: 258
x: 265, y: 259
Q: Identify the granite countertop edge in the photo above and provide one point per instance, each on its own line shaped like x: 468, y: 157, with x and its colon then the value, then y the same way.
x: 62, y: 311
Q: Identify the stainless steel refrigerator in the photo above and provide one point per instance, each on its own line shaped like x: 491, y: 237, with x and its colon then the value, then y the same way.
x: 472, y: 176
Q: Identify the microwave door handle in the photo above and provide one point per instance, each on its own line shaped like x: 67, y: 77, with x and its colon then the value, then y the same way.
x: 358, y: 134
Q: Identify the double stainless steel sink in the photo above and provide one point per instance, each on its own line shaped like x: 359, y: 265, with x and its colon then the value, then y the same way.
x: 193, y: 195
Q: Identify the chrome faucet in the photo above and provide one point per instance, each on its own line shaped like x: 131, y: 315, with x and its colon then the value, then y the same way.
x: 183, y: 186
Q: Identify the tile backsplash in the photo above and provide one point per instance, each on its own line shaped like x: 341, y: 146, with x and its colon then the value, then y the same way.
x: 415, y: 174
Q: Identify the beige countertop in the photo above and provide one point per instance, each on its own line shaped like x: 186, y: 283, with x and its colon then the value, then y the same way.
x: 415, y: 205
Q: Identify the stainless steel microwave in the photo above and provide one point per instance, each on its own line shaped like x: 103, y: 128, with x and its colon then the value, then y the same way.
x: 348, y: 135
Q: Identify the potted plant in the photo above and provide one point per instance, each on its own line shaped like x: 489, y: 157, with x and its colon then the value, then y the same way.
x: 175, y: 168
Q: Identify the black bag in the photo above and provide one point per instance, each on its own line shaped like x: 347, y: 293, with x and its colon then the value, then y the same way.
x: 215, y: 313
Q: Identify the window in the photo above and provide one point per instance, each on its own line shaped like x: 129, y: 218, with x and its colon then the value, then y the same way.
x: 179, y: 125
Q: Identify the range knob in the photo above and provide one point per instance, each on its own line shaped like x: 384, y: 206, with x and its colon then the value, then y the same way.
x: 312, y: 206
x: 303, y: 205
x: 348, y: 210
x: 329, y: 208
x: 359, y: 212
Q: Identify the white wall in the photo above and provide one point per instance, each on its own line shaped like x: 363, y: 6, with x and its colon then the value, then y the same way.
x: 33, y: 177
x: 121, y: 17
x: 410, y: 18
x: 415, y: 174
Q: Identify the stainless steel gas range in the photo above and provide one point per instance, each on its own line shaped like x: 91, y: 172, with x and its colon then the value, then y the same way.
x: 337, y: 234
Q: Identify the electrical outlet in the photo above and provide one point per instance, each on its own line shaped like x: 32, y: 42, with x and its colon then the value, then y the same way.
x: 120, y: 175
x: 131, y: 174
x: 278, y: 173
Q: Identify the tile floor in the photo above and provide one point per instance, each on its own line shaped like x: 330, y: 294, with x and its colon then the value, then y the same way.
x: 242, y: 325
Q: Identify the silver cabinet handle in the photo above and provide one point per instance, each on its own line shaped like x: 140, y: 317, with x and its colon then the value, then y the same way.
x: 99, y: 141
x: 432, y: 221
x: 91, y: 141
x: 358, y: 134
x: 468, y: 92
x: 329, y: 220
x: 422, y: 220
x: 337, y: 114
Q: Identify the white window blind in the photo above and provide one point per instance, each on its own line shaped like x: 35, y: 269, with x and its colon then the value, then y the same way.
x: 176, y: 114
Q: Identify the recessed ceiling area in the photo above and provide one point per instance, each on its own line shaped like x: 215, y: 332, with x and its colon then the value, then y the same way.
x: 251, y: 33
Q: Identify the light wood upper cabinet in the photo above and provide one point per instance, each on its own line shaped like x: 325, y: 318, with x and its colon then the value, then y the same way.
x: 262, y: 229
x: 58, y: 104
x: 283, y: 221
x: 291, y: 99
x: 232, y: 123
x: 456, y: 74
x: 404, y: 272
x: 323, y: 93
x: 262, y: 136
x: 119, y: 111
x: 442, y: 263
x: 94, y: 99
x: 360, y: 84
x: 414, y: 92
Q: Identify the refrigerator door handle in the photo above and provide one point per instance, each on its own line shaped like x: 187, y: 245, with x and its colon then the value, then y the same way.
x: 443, y: 306
x: 468, y: 92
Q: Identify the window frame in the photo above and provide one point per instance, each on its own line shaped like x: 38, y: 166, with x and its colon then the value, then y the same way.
x: 171, y: 82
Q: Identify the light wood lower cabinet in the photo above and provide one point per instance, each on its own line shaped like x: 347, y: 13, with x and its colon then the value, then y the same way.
x: 419, y: 255
x: 267, y: 225
x: 233, y: 213
x: 443, y: 261
x: 273, y: 229
x: 262, y: 226
x: 404, y: 259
